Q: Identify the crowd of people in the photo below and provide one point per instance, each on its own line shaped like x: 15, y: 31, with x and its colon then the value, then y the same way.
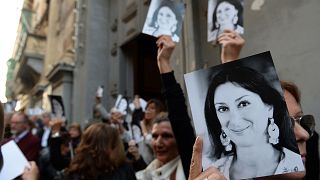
x: 158, y: 142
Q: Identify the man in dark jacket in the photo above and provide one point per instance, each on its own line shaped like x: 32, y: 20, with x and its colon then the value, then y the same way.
x: 28, y: 143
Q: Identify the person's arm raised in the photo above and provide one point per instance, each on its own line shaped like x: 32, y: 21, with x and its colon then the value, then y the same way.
x: 165, y: 49
x: 231, y: 44
x: 175, y: 100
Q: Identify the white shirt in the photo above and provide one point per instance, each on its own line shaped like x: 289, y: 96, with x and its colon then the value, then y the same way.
x: 154, y: 172
x: 45, y: 136
x: 20, y: 136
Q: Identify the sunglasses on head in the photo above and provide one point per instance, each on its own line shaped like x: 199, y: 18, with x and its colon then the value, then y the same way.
x: 306, y: 121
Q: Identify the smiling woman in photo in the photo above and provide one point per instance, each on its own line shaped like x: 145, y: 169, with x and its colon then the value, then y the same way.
x: 248, y: 126
x: 166, y: 20
x: 227, y: 14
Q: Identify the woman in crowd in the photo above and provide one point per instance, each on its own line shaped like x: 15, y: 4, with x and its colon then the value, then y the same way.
x: 153, y: 108
x: 140, y: 147
x: 62, y: 144
x: 307, y: 138
x: 100, y: 155
x: 167, y: 164
x: 75, y: 134
x: 248, y: 126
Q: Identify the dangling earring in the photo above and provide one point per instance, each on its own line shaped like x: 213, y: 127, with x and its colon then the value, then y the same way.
x: 273, y: 132
x: 217, y: 25
x: 225, y: 140
x: 235, y: 20
x: 173, y: 28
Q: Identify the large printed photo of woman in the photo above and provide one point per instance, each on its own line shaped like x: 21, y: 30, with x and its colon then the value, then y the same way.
x: 247, y: 127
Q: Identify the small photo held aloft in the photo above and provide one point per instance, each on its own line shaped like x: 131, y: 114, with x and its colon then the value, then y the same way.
x: 164, y: 17
x: 224, y: 14
x: 121, y: 104
x: 57, y: 106
x: 239, y: 110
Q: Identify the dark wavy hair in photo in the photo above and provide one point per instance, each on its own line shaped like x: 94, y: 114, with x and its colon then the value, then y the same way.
x: 236, y: 4
x: 99, y: 153
x: 171, y: 5
x: 255, y: 82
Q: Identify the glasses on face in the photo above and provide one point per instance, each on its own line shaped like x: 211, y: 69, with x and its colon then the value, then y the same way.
x: 17, y: 122
x: 306, y: 121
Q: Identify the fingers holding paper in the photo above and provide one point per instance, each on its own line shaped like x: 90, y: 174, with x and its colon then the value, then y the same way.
x: 31, y: 173
x: 231, y: 44
x: 196, y: 173
x: 165, y: 50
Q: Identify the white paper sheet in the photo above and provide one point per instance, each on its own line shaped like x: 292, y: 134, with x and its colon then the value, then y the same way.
x: 14, y: 161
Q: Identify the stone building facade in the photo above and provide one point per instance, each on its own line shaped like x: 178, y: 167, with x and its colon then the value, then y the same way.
x: 29, y: 52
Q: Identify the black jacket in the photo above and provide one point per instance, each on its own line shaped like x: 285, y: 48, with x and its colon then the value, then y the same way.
x: 178, y: 116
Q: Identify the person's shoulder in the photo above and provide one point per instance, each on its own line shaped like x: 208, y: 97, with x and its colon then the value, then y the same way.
x: 142, y: 174
x: 4, y: 141
x: 30, y: 137
x: 33, y: 140
x: 290, y: 162
x: 126, y: 168
x: 124, y: 171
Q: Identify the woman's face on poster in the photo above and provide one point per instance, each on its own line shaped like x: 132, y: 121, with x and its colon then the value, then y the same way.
x: 166, y: 19
x: 242, y: 114
x: 227, y: 14
x: 57, y: 108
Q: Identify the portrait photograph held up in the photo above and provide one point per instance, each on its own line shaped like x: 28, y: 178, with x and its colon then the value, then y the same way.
x: 165, y: 17
x: 57, y: 106
x: 224, y: 14
x: 239, y: 110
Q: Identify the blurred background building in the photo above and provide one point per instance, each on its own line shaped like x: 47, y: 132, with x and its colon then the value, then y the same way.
x: 70, y: 47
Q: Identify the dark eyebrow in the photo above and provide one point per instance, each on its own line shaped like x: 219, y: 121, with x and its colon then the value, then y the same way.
x: 238, y: 99
x: 219, y: 103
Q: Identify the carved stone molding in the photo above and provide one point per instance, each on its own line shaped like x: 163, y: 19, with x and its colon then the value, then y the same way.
x: 114, y: 25
x: 130, y: 31
x: 61, y: 72
x: 114, y: 49
x: 130, y: 12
